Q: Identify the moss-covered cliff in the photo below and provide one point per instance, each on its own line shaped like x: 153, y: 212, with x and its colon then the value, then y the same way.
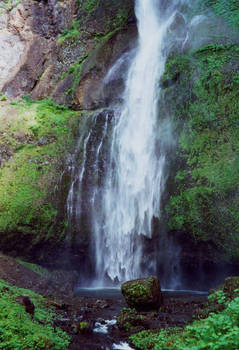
x: 35, y: 141
x: 72, y: 45
x: 201, y: 90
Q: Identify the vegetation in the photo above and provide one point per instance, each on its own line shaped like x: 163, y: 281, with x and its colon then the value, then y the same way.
x: 35, y: 138
x: 72, y: 33
x: 142, y: 293
x: 8, y: 4
x: 227, y: 9
x: 89, y: 9
x: 219, y: 331
x: 129, y: 318
x: 34, y: 267
x: 19, y: 330
x: 203, y: 86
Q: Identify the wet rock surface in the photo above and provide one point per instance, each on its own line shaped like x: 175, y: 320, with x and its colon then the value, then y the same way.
x: 176, y: 312
x: 143, y: 293
x: 91, y: 321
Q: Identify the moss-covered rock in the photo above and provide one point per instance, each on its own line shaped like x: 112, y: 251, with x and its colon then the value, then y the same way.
x: 201, y: 92
x: 35, y: 140
x: 129, y: 318
x: 215, y: 327
x: 143, y: 293
x: 231, y: 287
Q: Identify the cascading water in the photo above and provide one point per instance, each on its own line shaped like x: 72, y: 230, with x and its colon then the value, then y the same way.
x: 134, y: 183
x: 122, y: 193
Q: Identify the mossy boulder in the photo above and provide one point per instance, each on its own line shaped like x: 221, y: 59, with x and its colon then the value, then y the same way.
x: 129, y: 318
x: 143, y: 293
x: 231, y: 287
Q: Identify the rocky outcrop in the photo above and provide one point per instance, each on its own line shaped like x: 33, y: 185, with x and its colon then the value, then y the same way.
x: 27, y: 32
x: 143, y: 293
x: 62, y: 49
x: 35, y: 141
x: 84, y: 53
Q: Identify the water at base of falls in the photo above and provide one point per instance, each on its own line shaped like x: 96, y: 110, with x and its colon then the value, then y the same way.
x: 122, y: 174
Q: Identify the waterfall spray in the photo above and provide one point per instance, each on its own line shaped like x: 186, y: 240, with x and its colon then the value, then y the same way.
x: 135, y: 177
x: 120, y: 196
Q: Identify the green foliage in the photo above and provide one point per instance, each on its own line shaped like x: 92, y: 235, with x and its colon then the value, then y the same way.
x: 34, y: 267
x: 3, y: 97
x: 9, y: 4
x: 137, y: 292
x: 227, y: 9
x: 19, y: 331
x: 128, y: 318
x: 203, y: 87
x: 72, y: 33
x: 28, y: 179
x: 84, y: 325
x: 74, y: 71
x: 90, y: 5
x: 116, y: 16
x: 219, y: 331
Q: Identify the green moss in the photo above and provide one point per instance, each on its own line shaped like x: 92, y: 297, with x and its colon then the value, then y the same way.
x: 218, y: 331
x: 39, y: 135
x: 19, y: 331
x: 3, y: 97
x: 74, y: 71
x: 201, y: 89
x: 136, y: 292
x: 129, y: 318
x: 72, y: 33
x: 227, y: 9
x: 34, y: 267
x: 9, y: 4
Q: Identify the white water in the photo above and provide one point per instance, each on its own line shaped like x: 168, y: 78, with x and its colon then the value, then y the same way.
x: 116, y: 191
x: 135, y: 178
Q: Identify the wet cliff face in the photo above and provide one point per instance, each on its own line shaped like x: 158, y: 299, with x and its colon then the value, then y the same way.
x: 200, y: 88
x: 57, y: 49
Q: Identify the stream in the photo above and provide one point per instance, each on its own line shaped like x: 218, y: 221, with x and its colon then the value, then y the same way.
x: 101, y: 306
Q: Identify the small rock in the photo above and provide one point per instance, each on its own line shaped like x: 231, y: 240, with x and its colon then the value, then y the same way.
x: 27, y: 302
x: 43, y: 141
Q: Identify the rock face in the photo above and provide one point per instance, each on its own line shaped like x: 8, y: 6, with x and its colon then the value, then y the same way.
x: 27, y: 30
x: 59, y: 50
x: 62, y: 49
x: 143, y: 293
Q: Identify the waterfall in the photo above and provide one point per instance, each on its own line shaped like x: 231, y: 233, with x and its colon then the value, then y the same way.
x: 135, y: 177
x: 124, y: 194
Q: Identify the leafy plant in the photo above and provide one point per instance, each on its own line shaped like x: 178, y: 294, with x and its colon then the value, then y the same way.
x: 17, y: 328
x: 216, y: 332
